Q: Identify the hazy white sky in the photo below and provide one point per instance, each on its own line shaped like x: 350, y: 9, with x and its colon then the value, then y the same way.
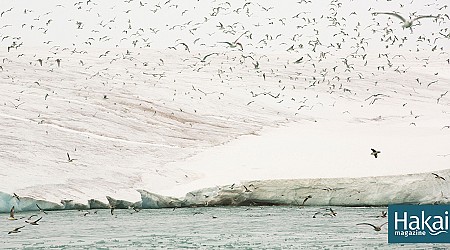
x: 159, y: 24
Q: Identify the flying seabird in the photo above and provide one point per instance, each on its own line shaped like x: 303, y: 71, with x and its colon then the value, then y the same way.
x: 375, y: 152
x: 29, y: 218
x: 307, y: 197
x: 383, y: 214
x: 69, y: 159
x: 406, y: 23
x: 16, y: 230
x: 376, y: 228
x: 11, y: 214
x: 40, y: 209
x: 134, y: 208
x: 331, y: 213
x: 316, y: 213
x: 204, y: 58
x: 438, y: 176
x: 33, y: 222
x: 299, y: 60
x: 186, y: 47
x: 16, y: 196
x: 234, y: 45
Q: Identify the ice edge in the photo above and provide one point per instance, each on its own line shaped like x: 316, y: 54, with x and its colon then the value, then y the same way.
x: 423, y: 188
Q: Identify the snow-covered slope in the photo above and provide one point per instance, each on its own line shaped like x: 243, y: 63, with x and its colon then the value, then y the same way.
x: 117, y: 117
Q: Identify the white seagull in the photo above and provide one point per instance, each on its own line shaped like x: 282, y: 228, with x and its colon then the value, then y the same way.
x: 406, y: 23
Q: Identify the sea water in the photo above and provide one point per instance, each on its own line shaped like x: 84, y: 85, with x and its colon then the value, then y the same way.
x: 269, y: 227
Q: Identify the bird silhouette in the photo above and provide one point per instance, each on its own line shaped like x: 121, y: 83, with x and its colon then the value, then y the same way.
x: 406, y: 23
x: 307, y: 197
x: 376, y: 228
x: 375, y: 152
x: 206, y: 56
x: 234, y: 45
x: 69, y: 159
x: 383, y: 214
x: 11, y: 214
x: 40, y: 209
x: 438, y: 176
x: 33, y: 222
x: 332, y: 213
x: 16, y: 230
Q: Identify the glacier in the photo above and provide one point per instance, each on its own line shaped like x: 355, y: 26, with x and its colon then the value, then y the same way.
x: 116, y: 114
x: 424, y: 188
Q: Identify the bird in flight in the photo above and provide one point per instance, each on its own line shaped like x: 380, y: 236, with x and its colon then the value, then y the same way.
x: 186, y: 47
x: 331, y: 213
x: 11, y: 214
x: 16, y: 196
x: 69, y: 159
x: 234, y: 45
x: 307, y: 197
x: 375, y: 152
x: 33, y: 222
x: 204, y: 58
x: 376, y: 228
x: 406, y: 23
x: 16, y: 230
x: 438, y: 176
x: 40, y: 209
x: 383, y: 214
x: 316, y: 213
x: 299, y: 60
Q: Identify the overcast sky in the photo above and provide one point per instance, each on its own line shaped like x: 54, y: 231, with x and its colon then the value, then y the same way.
x: 160, y: 24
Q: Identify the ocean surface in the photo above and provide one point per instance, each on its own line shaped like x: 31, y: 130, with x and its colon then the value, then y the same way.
x: 273, y: 227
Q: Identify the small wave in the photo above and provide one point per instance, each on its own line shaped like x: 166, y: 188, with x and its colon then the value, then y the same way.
x: 438, y: 232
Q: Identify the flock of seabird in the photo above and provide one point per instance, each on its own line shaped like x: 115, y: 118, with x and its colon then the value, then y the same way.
x: 29, y: 220
x: 329, y: 212
x: 240, y: 48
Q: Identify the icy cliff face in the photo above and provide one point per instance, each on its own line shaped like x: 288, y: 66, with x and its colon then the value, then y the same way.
x: 368, y: 191
x: 426, y: 188
x: 112, y: 107
x: 24, y: 203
